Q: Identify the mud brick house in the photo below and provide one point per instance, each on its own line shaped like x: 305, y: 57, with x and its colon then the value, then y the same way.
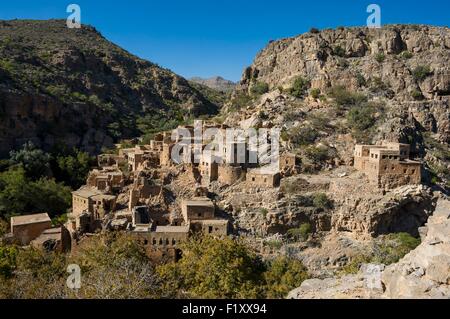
x: 26, y: 228
x: 387, y: 165
x: 263, y: 178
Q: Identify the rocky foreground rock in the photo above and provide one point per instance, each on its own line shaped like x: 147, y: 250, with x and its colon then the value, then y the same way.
x: 423, y: 273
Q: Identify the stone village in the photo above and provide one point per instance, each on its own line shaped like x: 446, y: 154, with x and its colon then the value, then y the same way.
x: 127, y: 192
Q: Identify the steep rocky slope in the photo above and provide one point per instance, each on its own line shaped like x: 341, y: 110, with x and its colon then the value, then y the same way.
x: 73, y: 86
x: 395, y: 81
x: 423, y: 273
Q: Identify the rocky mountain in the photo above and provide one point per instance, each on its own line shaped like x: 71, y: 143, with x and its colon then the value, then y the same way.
x: 354, y: 85
x: 74, y: 87
x: 216, y: 83
x: 329, y: 90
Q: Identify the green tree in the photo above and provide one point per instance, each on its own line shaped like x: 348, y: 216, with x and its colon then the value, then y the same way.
x: 361, y: 117
x: 421, y: 72
x: 300, y: 233
x: 320, y: 200
x: 74, y: 168
x: 283, y: 275
x: 8, y: 255
x: 259, y: 88
x: 35, y: 161
x: 214, y: 268
x: 299, y: 87
x: 20, y: 195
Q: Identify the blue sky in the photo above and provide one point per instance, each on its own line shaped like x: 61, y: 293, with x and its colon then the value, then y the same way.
x: 219, y: 37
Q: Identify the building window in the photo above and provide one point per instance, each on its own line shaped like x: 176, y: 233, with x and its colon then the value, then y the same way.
x: 253, y: 179
x: 210, y: 229
x: 154, y: 241
x: 199, y: 214
x: 413, y: 171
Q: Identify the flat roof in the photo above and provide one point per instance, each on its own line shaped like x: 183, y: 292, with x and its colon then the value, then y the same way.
x: 87, y: 192
x: 213, y: 221
x: 30, y: 219
x: 172, y: 229
x: 198, y: 201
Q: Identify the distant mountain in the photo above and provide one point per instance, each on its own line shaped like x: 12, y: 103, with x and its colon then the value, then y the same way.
x: 216, y: 83
x: 74, y: 87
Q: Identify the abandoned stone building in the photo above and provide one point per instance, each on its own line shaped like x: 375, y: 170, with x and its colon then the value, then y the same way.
x: 289, y: 164
x: 141, y: 191
x: 26, y: 228
x: 89, y: 207
x: 107, y: 179
x: 262, y: 178
x: 36, y: 231
x: 56, y: 239
x: 387, y: 165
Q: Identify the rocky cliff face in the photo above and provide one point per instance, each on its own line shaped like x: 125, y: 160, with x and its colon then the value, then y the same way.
x: 404, y: 65
x: 423, y: 273
x: 72, y: 86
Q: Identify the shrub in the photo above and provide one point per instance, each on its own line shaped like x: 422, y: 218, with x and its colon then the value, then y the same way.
x: 259, y: 88
x: 299, y: 86
x: 317, y: 154
x: 421, y: 72
x: 8, y: 256
x: 343, y: 97
x: 360, y: 80
x: 406, y: 55
x: 35, y: 161
x: 264, y: 212
x: 283, y: 275
x: 339, y: 51
x: 387, y: 250
x: 380, y: 57
x: 315, y: 93
x: 300, y: 233
x: 214, y: 268
x: 302, y: 136
x: 314, y: 30
x: 320, y: 200
x: 417, y: 95
x: 361, y: 117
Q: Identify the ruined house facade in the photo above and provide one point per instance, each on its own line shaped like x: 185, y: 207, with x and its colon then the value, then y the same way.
x: 36, y: 230
x: 387, y: 165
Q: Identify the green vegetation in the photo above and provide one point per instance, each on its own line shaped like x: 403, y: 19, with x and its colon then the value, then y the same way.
x: 417, y: 95
x: 317, y: 153
x: 259, y: 88
x: 421, y: 72
x: 361, y: 80
x: 314, y: 30
x: 406, y: 55
x: 301, y: 233
x: 315, y: 93
x: 214, y: 268
x: 320, y: 200
x: 264, y: 212
x: 34, y: 161
x: 345, y: 98
x: 8, y: 255
x: 159, y: 121
x: 301, y: 136
x: 361, y: 117
x: 380, y: 57
x: 388, y: 250
x: 339, y: 51
x: 282, y: 276
x: 299, y: 87
x: 20, y: 195
x: 240, y: 101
